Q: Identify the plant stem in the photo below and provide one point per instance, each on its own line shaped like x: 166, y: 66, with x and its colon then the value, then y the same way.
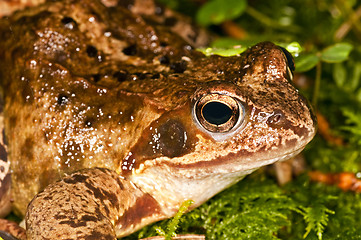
x: 270, y: 22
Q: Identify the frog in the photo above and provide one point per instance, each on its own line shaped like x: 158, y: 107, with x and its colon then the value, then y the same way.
x: 112, y: 117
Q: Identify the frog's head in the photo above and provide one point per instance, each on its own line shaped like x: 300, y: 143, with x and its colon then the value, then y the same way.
x: 247, y: 116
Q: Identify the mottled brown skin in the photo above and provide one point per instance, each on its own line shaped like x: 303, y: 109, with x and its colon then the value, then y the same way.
x: 112, y: 92
x: 104, y: 196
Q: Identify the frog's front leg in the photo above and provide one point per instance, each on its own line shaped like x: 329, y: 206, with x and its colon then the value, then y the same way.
x: 90, y: 204
x: 10, y: 230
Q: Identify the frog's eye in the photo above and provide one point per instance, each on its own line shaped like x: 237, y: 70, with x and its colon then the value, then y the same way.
x: 218, y: 113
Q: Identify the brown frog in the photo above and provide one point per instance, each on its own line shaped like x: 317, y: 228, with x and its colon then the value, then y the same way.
x: 113, y: 119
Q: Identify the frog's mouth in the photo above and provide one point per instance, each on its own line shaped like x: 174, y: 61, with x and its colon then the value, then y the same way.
x: 171, y: 184
x: 242, y: 161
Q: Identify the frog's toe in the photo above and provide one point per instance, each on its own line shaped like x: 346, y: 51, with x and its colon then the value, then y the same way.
x: 11, y: 231
x: 6, y: 236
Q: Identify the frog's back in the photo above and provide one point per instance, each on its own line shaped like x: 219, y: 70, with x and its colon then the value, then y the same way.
x: 89, y: 79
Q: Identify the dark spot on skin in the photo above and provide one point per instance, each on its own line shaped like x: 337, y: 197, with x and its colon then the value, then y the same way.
x: 164, y: 60
x: 281, y: 93
x: 62, y: 100
x: 179, y: 67
x: 237, y: 76
x: 96, y: 77
x: 91, y: 51
x: 141, y: 76
x: 156, y: 76
x: 121, y: 186
x: 89, y: 218
x: 4, y: 137
x: 5, y: 185
x: 163, y: 44
x: 69, y: 23
x: 98, y: 235
x: 27, y: 93
x: 3, y: 154
x: 48, y: 198
x: 88, y: 123
x: 59, y: 217
x: 100, y: 193
x: 121, y: 76
x: 61, y: 56
x: 13, y: 121
x: 27, y: 148
x: 131, y: 50
x: 73, y: 224
x: 170, y: 21
x: 126, y: 3
x: 172, y: 138
x: 75, y: 178
x: 1, y: 99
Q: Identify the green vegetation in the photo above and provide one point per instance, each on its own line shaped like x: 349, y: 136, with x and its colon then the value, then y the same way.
x: 324, y: 37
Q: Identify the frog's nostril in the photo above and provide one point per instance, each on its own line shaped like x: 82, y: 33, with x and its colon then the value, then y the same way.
x: 276, y: 118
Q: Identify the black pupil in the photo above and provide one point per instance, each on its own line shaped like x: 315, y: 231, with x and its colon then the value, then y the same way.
x: 216, y: 113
